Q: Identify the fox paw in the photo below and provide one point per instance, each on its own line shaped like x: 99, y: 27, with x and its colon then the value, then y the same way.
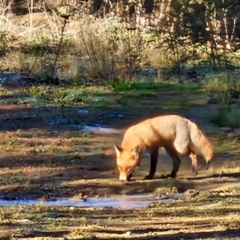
x: 173, y: 175
x: 209, y: 165
x: 195, y: 173
x: 148, y: 177
x: 129, y: 177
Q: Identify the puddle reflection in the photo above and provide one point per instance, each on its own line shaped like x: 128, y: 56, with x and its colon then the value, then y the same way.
x: 124, y: 202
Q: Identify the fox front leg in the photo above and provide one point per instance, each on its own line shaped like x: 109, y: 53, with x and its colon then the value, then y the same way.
x: 194, y: 159
x: 129, y: 177
x: 153, y: 163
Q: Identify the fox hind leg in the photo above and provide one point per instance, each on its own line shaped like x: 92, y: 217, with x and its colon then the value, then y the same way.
x: 176, y: 160
x: 153, y: 163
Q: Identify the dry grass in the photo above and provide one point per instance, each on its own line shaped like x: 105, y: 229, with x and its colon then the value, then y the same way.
x: 208, y: 215
x: 100, y: 46
x: 45, y: 161
x: 91, y: 48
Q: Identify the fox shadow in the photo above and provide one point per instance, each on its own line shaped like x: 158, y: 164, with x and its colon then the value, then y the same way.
x: 201, y: 177
x: 215, y: 175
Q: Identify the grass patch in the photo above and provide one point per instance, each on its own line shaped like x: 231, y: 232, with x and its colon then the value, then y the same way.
x: 68, y: 95
x: 227, y: 117
x: 160, y: 87
x: 120, y: 95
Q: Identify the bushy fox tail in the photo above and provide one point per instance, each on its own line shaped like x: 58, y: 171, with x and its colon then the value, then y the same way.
x: 200, y: 144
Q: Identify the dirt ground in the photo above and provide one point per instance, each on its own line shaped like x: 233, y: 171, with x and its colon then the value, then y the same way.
x: 45, y: 156
x: 207, y: 215
x: 43, y: 160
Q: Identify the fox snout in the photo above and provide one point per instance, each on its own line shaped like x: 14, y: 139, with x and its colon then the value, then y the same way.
x: 124, y: 177
x: 209, y: 163
x: 209, y: 160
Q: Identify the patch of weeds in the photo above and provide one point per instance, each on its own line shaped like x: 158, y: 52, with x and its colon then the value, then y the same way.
x: 225, y: 144
x: 38, y: 46
x: 53, y: 148
x: 80, y: 234
x: 67, y: 43
x: 224, y: 85
x: 12, y: 144
x: 77, y: 95
x: 4, y: 43
x: 231, y: 166
x: 162, y: 87
x: 34, y: 95
x: 6, y: 95
x: 4, y: 91
x: 71, y: 96
x: 65, y: 96
x: 227, y: 117
x: 38, y: 91
x: 97, y: 101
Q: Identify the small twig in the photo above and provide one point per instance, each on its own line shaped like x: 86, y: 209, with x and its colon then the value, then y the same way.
x: 31, y: 15
x: 59, y: 46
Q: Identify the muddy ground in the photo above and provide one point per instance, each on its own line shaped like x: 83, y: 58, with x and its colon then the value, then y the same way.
x: 46, y: 153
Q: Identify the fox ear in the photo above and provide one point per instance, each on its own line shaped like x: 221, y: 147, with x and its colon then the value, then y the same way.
x: 118, y: 150
x: 135, y: 152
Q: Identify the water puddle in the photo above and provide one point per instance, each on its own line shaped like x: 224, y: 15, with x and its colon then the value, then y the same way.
x: 83, y: 110
x: 123, y: 202
x: 112, y: 115
x: 91, y: 128
x: 98, y: 128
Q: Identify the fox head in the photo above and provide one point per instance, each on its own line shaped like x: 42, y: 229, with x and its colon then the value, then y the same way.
x: 208, y: 156
x: 127, y: 161
x: 208, y: 153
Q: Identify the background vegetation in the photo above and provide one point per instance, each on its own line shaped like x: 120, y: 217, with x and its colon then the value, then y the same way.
x: 111, y: 39
x: 119, y: 43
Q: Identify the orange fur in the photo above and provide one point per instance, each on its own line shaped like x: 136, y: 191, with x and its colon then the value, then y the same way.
x: 176, y: 134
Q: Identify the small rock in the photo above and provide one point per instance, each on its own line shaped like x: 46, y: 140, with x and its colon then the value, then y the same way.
x: 223, y: 194
x: 128, y: 233
x: 26, y: 221
x: 43, y: 198
x: 212, y: 101
x: 84, y: 198
x: 226, y: 129
x: 191, y: 192
x: 229, y: 153
x: 174, y: 190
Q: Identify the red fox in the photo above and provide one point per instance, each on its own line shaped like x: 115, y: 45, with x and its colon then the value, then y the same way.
x: 173, y: 132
